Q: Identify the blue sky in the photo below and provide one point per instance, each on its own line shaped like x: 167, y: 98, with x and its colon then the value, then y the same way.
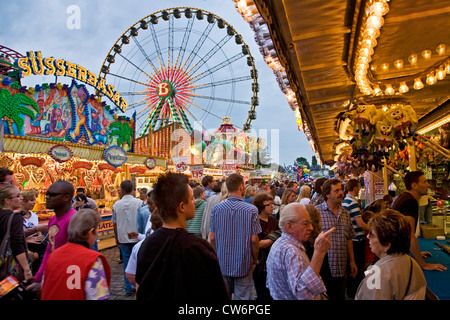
x: 41, y: 25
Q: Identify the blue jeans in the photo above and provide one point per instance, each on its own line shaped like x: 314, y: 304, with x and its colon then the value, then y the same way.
x: 125, y: 249
x: 240, y: 286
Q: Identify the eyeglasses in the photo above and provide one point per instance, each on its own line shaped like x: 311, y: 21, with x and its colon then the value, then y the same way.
x: 53, y: 194
x: 305, y: 223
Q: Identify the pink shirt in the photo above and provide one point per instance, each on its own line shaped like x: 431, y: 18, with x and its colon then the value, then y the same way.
x: 58, y: 235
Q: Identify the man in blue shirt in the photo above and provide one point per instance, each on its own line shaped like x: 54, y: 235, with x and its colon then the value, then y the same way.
x: 208, y: 184
x: 290, y: 273
x: 234, y: 235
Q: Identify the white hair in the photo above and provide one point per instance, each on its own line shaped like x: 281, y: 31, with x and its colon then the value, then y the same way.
x: 290, y: 214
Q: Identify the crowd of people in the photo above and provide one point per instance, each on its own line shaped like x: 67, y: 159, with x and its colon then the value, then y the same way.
x: 220, y: 240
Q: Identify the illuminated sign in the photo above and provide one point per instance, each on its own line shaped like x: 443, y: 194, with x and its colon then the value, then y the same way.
x: 115, y: 156
x: 60, y: 153
x: 150, y: 163
x: 37, y: 65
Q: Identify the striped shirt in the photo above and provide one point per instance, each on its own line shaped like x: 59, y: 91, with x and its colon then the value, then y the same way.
x: 233, y: 222
x: 289, y: 276
x: 337, y: 254
x: 352, y: 206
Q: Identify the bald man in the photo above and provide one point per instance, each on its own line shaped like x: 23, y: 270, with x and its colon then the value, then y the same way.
x: 59, y: 198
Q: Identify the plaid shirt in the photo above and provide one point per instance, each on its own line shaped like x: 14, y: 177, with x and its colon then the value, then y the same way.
x: 289, y: 276
x: 337, y: 254
x: 234, y: 222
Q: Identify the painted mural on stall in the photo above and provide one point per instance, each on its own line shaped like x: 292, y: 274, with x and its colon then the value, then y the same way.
x: 63, y: 113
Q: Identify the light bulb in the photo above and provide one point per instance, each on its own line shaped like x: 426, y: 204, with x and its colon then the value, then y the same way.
x: 371, y: 33
x: 440, y: 49
x: 413, y: 59
x: 440, y: 75
x: 398, y: 64
x: 374, y: 22
x: 403, y: 88
x: 389, y: 90
x: 418, y: 84
x: 431, y: 78
x: 376, y: 89
x: 426, y: 54
x: 385, y: 67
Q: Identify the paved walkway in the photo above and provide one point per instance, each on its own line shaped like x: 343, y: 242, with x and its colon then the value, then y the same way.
x: 117, y: 281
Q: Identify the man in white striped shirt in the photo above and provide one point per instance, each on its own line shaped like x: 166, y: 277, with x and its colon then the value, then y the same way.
x: 351, y: 204
x: 234, y: 235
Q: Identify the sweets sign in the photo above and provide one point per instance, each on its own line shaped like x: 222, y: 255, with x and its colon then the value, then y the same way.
x: 181, y: 163
x: 197, y: 172
x: 37, y: 65
x: 115, y: 156
x: 60, y: 153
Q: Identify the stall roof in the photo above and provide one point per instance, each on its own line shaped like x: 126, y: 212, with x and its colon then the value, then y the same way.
x: 318, y: 44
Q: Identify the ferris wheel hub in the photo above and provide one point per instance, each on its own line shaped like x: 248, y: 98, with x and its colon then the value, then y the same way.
x: 164, y: 89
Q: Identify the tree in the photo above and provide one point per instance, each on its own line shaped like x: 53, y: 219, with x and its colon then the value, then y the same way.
x: 302, y: 161
x: 123, y: 132
x: 12, y: 106
x: 314, y: 161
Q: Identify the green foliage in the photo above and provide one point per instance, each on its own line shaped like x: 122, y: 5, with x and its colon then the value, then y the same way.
x: 122, y: 131
x: 302, y: 161
x: 12, y: 106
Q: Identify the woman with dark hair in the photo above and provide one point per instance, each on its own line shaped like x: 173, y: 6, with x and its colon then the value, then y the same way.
x: 81, y: 202
x: 396, y: 276
x: 269, y: 225
x: 317, y: 197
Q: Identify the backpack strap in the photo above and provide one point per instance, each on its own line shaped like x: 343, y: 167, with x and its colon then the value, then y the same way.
x: 410, y: 276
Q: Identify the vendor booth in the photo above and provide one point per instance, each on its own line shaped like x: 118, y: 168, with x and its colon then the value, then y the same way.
x: 369, y: 83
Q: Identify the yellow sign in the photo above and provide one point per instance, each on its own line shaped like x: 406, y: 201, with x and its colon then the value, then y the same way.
x: 37, y: 65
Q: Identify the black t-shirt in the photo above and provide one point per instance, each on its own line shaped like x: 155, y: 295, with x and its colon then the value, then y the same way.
x: 173, y: 264
x: 407, y: 205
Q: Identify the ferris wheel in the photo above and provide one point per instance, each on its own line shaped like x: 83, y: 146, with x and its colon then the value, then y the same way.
x: 183, y: 65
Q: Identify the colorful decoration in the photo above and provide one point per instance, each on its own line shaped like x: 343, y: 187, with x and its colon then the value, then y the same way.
x: 60, y: 153
x: 63, y: 114
x: 383, y: 138
x: 35, y: 64
x: 403, y: 119
x: 150, y: 163
x: 363, y: 118
x: 13, y: 106
x: 115, y: 156
x: 35, y: 161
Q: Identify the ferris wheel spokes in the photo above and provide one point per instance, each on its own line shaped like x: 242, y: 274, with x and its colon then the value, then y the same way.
x: 190, y: 58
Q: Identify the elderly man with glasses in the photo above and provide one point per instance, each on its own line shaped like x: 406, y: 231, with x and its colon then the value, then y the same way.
x: 290, y: 273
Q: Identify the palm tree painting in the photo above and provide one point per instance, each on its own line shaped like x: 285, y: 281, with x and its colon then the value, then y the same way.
x: 124, y: 134
x: 12, y: 106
